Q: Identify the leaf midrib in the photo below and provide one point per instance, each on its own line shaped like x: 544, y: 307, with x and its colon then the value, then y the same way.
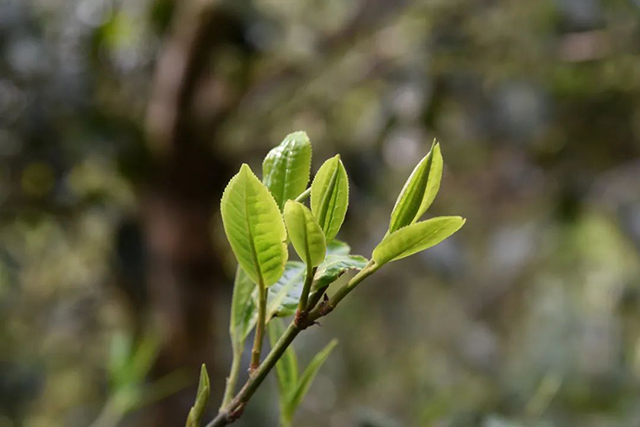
x: 254, y: 253
x: 307, y: 250
x: 420, y: 241
x: 411, y: 199
x: 327, y: 220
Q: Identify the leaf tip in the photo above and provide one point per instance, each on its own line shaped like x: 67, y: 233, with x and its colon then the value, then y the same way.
x: 299, y: 136
x: 204, y: 385
x: 245, y: 169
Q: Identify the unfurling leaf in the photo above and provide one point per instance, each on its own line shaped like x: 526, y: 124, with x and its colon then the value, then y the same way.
x: 304, y: 383
x: 202, y: 396
x: 243, y: 309
x: 330, y: 196
x: 415, y: 238
x: 335, y: 266
x: 305, y: 233
x: 287, y: 366
x: 286, y: 169
x: 254, y: 227
x: 419, y: 191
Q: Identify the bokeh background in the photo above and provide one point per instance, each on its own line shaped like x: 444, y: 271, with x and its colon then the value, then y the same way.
x: 122, y: 120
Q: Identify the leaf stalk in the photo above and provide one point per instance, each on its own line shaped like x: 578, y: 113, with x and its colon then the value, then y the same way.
x: 262, y: 315
x: 233, y: 410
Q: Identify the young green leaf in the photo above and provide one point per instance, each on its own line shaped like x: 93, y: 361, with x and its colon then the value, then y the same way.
x: 243, y: 309
x: 419, y: 191
x: 415, y: 238
x: 330, y: 196
x: 286, y: 169
x: 284, y: 295
x: 335, y: 266
x: 202, y: 396
x: 305, y: 233
x: 307, y: 378
x: 287, y: 366
x: 254, y: 227
x: 338, y: 247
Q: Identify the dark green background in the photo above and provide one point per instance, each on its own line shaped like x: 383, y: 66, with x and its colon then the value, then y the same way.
x: 530, y: 316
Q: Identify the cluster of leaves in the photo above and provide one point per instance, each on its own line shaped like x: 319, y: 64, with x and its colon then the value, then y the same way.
x: 260, y: 218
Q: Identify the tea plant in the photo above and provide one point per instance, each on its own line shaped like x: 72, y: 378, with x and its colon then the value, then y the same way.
x: 260, y: 219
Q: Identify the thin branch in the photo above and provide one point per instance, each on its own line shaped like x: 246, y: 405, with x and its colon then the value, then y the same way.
x: 315, y: 298
x: 174, y: 83
x: 327, y: 307
x: 304, y: 195
x: 304, y: 297
x: 262, y: 318
x: 234, y: 409
x: 232, y: 379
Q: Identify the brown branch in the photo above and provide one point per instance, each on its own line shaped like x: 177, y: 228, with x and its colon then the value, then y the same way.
x: 175, y: 80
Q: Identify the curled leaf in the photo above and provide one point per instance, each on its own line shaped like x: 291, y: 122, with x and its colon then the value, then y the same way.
x: 202, y: 396
x: 305, y: 233
x: 286, y: 168
x: 330, y: 196
x: 419, y: 191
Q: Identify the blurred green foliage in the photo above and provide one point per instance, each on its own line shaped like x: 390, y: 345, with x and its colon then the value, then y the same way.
x: 530, y: 316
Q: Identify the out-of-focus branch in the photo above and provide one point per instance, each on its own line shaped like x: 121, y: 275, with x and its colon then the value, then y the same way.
x: 366, y: 20
x: 175, y: 81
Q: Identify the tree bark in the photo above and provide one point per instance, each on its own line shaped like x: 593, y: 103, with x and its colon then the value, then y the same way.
x: 178, y: 199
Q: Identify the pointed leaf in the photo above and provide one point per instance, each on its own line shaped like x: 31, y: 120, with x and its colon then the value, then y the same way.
x: 202, y: 396
x: 307, y: 378
x: 243, y: 309
x: 286, y: 169
x: 419, y: 191
x: 305, y: 233
x: 254, y: 227
x: 415, y: 238
x: 338, y: 247
x: 335, y: 266
x: 287, y: 366
x: 330, y: 196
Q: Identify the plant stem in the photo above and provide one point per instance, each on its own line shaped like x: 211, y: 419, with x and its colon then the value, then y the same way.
x: 232, y: 379
x: 314, y: 298
x: 324, y: 309
x: 234, y: 409
x: 257, y: 342
x: 303, y: 196
x: 304, y: 297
